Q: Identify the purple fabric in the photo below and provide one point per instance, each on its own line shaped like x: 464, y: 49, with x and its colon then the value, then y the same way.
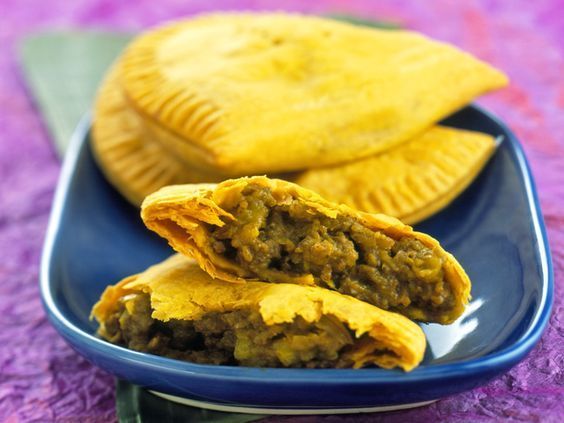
x: 42, y: 379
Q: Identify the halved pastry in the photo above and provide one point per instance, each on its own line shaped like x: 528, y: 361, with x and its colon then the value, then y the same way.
x: 274, y: 92
x: 411, y: 181
x: 132, y: 157
x: 276, y: 231
x: 176, y: 310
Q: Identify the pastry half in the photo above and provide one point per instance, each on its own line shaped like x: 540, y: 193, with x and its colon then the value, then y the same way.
x: 176, y: 310
x: 274, y: 92
x: 411, y: 181
x: 273, y: 230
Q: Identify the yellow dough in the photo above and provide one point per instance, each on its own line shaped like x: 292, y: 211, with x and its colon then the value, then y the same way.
x: 263, y: 93
x: 273, y: 230
x: 181, y: 292
x: 411, y: 181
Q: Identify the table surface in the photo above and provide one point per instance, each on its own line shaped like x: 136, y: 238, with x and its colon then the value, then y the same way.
x: 42, y: 379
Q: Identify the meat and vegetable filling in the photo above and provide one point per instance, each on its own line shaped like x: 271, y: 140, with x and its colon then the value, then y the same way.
x: 278, y: 243
x: 236, y: 337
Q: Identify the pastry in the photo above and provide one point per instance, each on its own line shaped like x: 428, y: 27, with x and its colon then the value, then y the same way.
x: 176, y: 310
x: 245, y: 94
x: 276, y: 231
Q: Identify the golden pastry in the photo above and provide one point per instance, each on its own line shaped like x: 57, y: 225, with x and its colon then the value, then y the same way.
x: 176, y: 310
x: 276, y: 231
x: 272, y: 92
x: 411, y: 181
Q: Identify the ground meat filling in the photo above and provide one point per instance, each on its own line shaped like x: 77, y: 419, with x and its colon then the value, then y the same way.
x: 238, y: 337
x: 278, y: 242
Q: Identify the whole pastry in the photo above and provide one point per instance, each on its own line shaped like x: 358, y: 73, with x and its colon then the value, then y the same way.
x: 252, y: 93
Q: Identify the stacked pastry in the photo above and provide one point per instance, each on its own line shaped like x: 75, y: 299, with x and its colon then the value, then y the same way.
x: 344, y: 110
x: 267, y: 272
x: 271, y: 274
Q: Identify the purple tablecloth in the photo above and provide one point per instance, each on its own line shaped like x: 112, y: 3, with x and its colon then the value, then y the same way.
x: 42, y: 379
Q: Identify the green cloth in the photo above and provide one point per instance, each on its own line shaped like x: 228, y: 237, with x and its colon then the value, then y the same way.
x: 63, y: 70
x: 134, y: 404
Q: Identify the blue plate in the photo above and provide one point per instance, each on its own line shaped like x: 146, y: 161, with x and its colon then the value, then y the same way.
x: 494, y: 228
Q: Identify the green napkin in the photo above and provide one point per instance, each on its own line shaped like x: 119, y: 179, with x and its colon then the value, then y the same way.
x: 63, y: 70
x: 134, y: 404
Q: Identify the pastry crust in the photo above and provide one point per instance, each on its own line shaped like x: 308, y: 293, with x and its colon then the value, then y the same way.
x: 275, y: 92
x: 180, y: 290
x: 412, y: 181
x: 185, y: 214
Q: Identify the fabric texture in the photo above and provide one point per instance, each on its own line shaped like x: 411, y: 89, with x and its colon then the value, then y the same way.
x: 42, y: 379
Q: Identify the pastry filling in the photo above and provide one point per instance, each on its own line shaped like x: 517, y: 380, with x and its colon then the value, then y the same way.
x: 282, y: 242
x: 236, y: 337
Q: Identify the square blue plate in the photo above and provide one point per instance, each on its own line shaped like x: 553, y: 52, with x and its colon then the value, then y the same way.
x: 494, y: 228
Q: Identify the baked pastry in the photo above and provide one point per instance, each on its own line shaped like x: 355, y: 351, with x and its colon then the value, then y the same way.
x: 276, y: 231
x: 130, y: 154
x: 411, y: 181
x: 245, y: 94
x: 176, y: 310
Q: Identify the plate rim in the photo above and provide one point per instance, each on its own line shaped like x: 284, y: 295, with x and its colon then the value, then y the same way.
x: 484, y: 364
